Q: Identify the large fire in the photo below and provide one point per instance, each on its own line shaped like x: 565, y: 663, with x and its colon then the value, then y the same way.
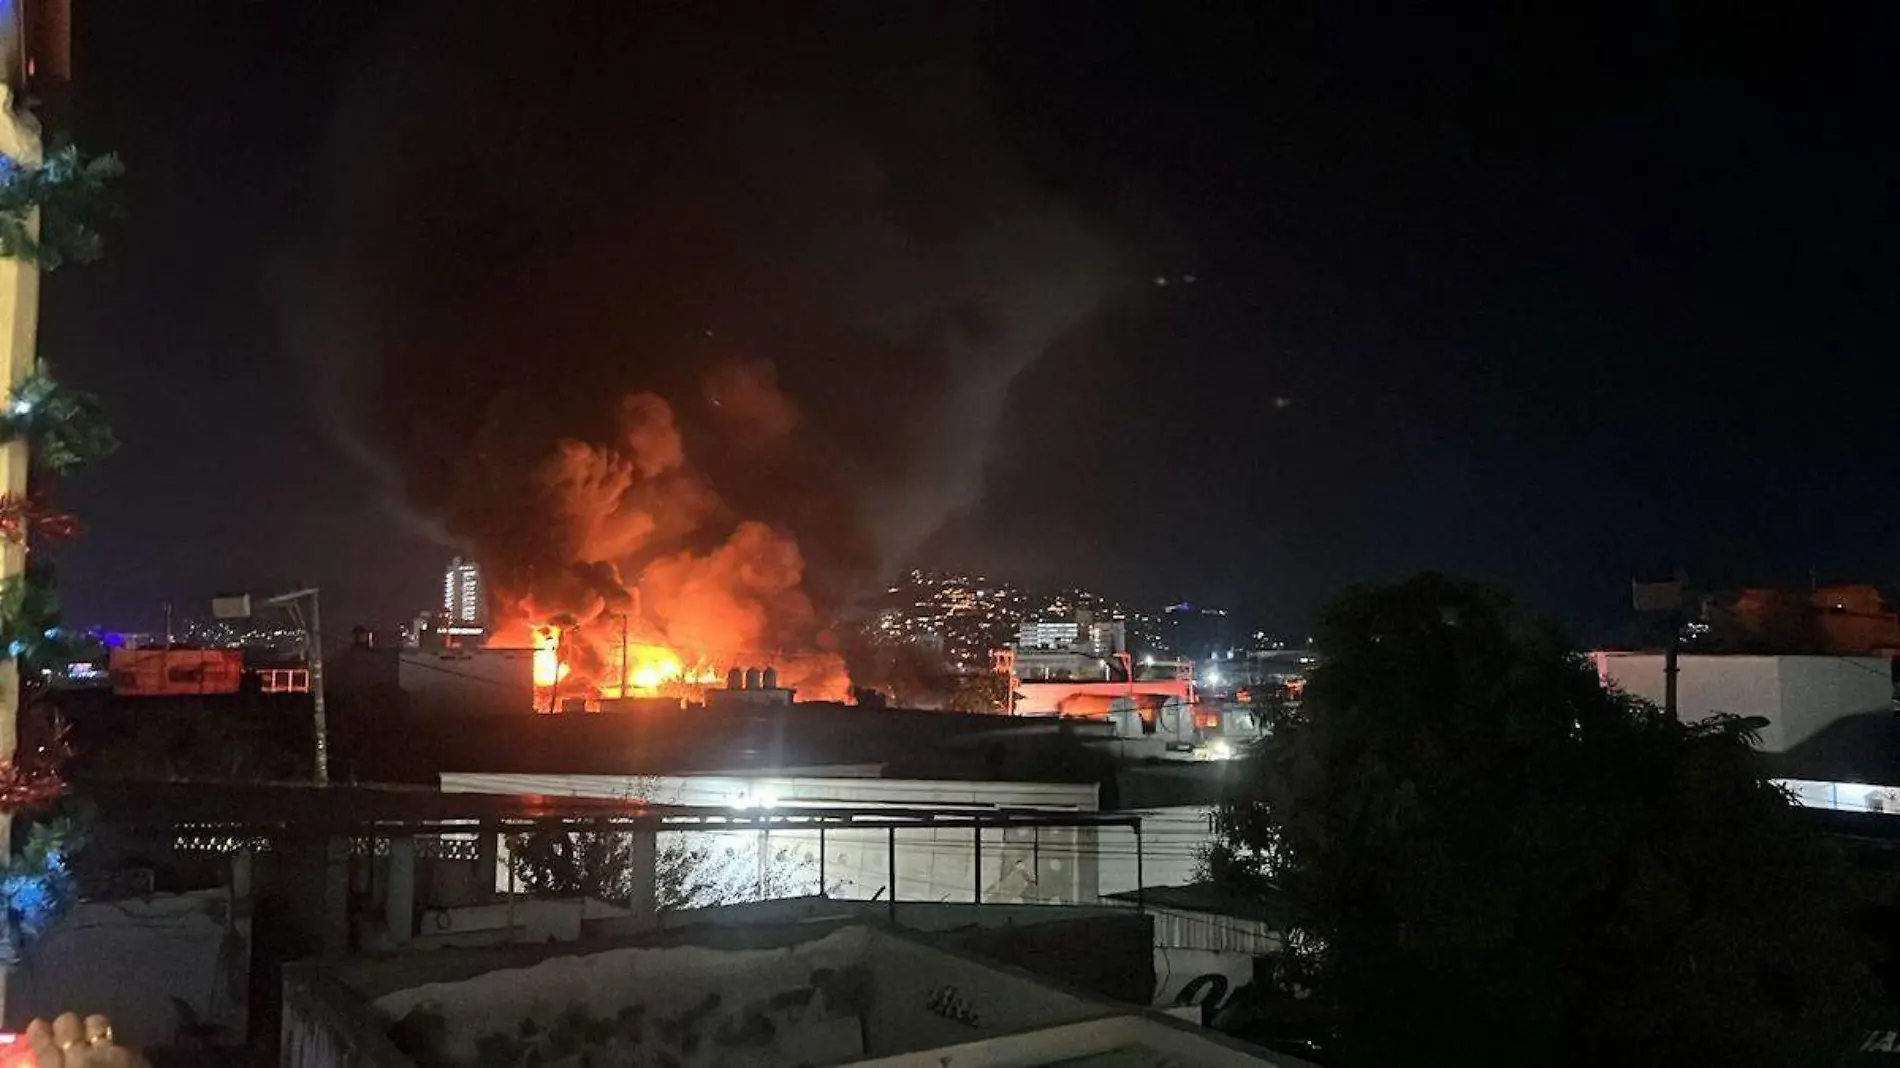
x: 548, y: 667
x: 620, y: 667
x: 641, y: 670
x: 718, y: 407
x: 632, y: 669
x: 637, y: 579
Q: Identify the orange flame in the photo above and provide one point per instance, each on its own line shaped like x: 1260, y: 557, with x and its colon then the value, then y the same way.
x: 620, y: 511
x: 549, y: 667
x: 650, y: 670
x: 653, y: 671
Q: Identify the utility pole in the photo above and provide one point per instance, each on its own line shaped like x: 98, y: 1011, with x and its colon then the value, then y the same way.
x: 1664, y: 598
x: 317, y: 713
x: 1003, y: 662
x: 624, y: 666
x: 1671, y: 667
x: 312, y: 626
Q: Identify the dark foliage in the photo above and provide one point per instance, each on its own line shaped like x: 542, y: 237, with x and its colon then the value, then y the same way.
x: 690, y: 872
x: 1493, y: 858
x: 985, y: 691
x: 247, y: 738
x: 66, y: 428
x: 71, y: 192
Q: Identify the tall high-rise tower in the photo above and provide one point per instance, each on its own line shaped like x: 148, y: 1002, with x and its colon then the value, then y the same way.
x: 464, y: 601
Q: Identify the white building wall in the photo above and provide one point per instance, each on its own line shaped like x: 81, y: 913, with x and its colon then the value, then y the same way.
x: 1176, y: 967
x: 1172, y: 842
x: 1817, y: 690
x: 128, y: 959
x: 1049, y: 865
x: 1705, y: 685
x: 1843, y: 796
x: 1020, y: 865
x: 1189, y: 945
x: 917, y: 987
x: 1798, y: 695
x: 534, y: 920
x: 668, y: 981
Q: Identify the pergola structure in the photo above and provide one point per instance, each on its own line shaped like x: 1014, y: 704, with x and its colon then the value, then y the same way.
x: 315, y: 829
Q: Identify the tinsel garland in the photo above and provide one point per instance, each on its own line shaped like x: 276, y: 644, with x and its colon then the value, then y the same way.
x: 48, y: 216
x: 29, y: 617
x: 37, y: 880
x: 66, y: 427
x: 69, y: 190
x: 32, y: 781
x: 26, y: 514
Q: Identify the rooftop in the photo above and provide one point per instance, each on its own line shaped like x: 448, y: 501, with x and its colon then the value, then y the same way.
x: 1212, y: 899
x: 302, y: 807
x: 820, y: 993
x: 1174, y: 784
x: 371, y: 742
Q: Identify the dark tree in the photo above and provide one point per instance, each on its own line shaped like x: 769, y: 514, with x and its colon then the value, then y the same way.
x: 984, y: 691
x: 243, y: 738
x: 691, y: 870
x: 907, y: 674
x: 1494, y: 860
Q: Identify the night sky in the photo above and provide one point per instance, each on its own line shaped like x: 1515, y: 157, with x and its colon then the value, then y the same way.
x: 1547, y: 299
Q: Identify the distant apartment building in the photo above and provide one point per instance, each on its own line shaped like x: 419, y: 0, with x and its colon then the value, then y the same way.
x: 464, y: 601
x: 1081, y: 633
x: 1078, y: 647
x: 1048, y: 634
x: 1108, y: 637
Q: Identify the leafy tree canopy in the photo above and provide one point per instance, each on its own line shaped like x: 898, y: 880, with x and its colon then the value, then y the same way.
x: 985, y: 691
x: 1495, y: 860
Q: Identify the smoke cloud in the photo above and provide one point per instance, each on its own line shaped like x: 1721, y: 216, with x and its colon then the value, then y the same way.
x: 649, y: 300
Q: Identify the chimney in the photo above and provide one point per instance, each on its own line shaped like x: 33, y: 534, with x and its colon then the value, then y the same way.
x: 770, y: 679
x: 735, y: 679
x: 752, y: 680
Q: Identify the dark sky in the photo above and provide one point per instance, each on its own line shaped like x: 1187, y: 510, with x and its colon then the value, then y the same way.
x: 1550, y: 298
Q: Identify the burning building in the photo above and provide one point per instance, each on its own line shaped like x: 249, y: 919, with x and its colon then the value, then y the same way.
x: 729, y: 331
x: 645, y: 582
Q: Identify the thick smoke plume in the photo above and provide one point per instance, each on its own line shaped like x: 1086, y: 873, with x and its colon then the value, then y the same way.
x: 647, y: 300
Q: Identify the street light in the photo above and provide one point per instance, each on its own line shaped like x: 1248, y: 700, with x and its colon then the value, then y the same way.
x: 239, y: 607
